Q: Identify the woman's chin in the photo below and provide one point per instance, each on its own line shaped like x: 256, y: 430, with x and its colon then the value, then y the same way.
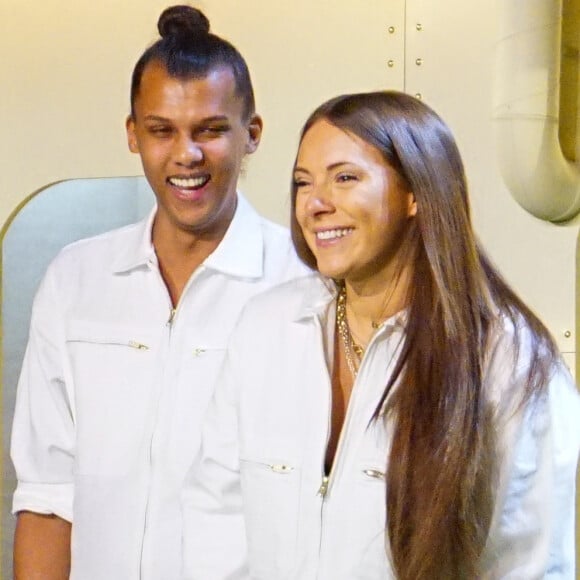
x: 331, y: 272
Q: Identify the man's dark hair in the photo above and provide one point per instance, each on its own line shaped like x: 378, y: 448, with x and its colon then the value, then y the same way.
x: 188, y: 50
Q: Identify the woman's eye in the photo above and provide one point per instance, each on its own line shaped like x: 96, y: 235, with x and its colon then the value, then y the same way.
x: 300, y: 183
x: 345, y: 177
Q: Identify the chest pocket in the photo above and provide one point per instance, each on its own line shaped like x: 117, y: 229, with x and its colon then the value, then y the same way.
x: 192, y: 387
x: 203, y: 359
x: 114, y: 374
x: 271, y: 492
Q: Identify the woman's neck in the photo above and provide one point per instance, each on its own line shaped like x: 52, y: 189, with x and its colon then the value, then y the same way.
x: 370, y: 303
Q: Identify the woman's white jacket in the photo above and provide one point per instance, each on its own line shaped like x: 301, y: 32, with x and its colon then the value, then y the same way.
x: 257, y: 505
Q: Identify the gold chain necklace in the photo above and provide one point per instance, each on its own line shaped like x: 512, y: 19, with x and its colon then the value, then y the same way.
x: 353, y: 351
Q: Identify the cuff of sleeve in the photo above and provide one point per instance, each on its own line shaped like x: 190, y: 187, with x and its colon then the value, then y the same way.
x: 44, y: 498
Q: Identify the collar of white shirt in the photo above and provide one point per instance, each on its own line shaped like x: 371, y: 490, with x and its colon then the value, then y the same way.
x: 239, y: 254
x: 323, y: 291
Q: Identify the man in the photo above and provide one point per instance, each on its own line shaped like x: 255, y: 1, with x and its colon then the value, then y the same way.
x: 129, y: 328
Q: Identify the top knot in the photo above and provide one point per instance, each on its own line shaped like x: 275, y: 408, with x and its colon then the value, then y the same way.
x: 182, y: 21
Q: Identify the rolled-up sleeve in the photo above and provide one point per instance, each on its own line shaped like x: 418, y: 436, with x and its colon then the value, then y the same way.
x: 43, y: 433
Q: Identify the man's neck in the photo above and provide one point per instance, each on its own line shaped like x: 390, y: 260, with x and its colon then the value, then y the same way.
x: 179, y: 254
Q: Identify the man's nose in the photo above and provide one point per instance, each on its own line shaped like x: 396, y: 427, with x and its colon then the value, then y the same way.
x: 188, y: 152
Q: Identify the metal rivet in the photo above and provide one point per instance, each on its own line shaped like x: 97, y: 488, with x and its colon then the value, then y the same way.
x: 391, y: 63
x: 567, y: 334
x: 418, y: 96
x: 419, y: 26
x: 391, y: 29
x: 419, y: 61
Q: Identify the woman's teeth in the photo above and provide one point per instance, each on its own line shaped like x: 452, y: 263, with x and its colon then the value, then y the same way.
x: 332, y: 234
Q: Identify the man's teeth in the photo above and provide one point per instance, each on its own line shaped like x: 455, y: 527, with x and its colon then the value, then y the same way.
x: 189, y: 182
x: 332, y: 234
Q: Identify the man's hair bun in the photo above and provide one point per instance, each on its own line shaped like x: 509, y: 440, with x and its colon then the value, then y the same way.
x: 182, y: 22
x: 187, y: 50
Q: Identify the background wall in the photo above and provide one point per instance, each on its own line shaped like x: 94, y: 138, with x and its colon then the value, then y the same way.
x: 65, y: 71
x: 65, y: 78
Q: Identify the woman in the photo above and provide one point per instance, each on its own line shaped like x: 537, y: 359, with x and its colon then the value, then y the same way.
x: 403, y: 415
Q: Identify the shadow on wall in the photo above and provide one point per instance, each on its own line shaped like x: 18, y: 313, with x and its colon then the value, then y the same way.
x: 48, y: 220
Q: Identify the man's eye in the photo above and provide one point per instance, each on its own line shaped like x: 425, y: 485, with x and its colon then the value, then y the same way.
x: 214, y: 130
x: 161, y: 130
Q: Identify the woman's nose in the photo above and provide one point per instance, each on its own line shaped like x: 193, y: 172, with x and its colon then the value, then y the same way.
x: 319, y: 200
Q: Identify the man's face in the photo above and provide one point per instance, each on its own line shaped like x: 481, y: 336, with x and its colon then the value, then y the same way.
x: 192, y: 136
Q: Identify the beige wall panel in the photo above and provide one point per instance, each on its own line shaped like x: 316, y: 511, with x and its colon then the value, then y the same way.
x: 301, y: 53
x: 64, y: 74
x: 67, y: 81
x: 456, y: 44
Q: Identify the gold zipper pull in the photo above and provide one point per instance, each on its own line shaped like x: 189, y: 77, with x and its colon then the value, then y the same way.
x: 281, y: 468
x: 138, y: 345
x: 323, y: 487
x: 374, y: 473
x: 171, y: 317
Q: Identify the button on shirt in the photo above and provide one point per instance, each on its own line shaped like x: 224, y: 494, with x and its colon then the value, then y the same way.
x: 115, y: 382
x: 257, y: 504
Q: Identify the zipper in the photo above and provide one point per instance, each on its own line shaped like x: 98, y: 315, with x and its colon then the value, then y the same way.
x: 374, y: 473
x: 327, y: 480
x: 281, y: 468
x: 323, y: 487
x: 166, y: 362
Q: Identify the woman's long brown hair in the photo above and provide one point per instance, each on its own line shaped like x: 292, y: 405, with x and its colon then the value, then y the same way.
x: 442, y: 462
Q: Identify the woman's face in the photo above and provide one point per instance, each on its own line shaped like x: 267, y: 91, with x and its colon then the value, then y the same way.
x: 351, y: 206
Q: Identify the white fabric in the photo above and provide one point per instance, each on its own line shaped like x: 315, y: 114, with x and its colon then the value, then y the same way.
x: 111, y: 395
x: 264, y: 444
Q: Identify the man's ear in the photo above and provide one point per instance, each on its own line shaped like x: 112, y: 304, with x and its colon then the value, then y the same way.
x: 412, y: 205
x: 131, y: 137
x: 255, y: 126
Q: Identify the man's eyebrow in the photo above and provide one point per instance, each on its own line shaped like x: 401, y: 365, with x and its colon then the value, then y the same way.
x: 215, y: 118
x: 212, y: 119
x: 155, y: 118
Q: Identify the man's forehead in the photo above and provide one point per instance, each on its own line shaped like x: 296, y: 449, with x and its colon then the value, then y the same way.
x: 211, y: 96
